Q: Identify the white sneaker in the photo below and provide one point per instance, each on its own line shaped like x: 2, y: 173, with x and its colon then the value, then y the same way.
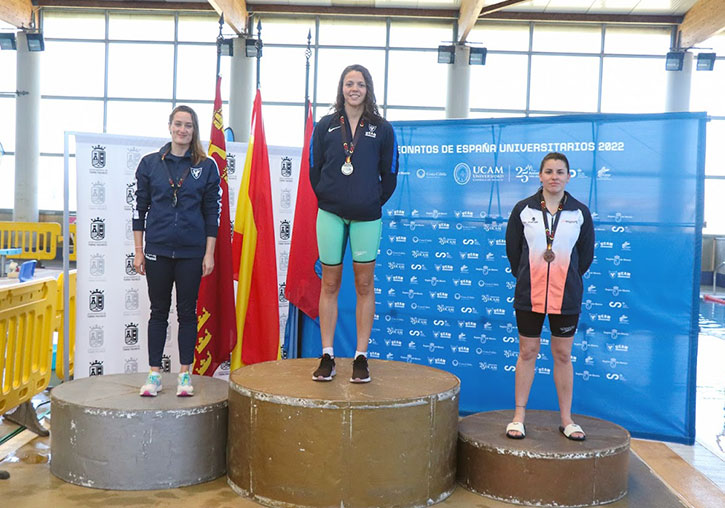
x: 152, y: 386
x: 184, y: 388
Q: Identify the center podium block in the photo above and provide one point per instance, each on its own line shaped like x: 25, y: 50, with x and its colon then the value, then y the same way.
x: 296, y: 442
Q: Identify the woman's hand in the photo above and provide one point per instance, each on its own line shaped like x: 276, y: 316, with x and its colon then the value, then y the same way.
x: 207, y: 264
x: 139, y: 262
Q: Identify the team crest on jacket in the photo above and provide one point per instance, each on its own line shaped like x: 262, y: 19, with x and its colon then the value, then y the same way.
x: 286, y: 167
x: 196, y: 173
x: 98, y: 157
x: 371, y: 131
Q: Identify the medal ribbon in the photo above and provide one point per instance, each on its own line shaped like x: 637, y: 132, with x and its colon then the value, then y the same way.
x: 350, y: 148
x: 174, y: 185
x: 551, y: 232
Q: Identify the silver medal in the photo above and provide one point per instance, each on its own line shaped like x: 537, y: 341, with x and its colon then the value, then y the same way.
x: 347, y: 169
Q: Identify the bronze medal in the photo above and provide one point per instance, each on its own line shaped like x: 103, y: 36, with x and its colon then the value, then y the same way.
x: 549, y: 255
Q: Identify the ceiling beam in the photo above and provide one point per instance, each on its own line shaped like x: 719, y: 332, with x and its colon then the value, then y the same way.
x: 235, y: 13
x: 702, y: 21
x: 472, y: 9
x: 18, y: 13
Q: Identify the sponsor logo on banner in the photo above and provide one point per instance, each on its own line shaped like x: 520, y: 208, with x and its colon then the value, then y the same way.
x: 133, y: 156
x: 95, y: 368
x: 604, y: 173
x: 131, y: 194
x: 462, y: 173
x: 284, y: 230
x: 98, y: 157
x: 283, y: 261
x: 231, y: 163
x: 95, y: 337
x: 280, y: 293
x: 130, y: 365
x: 130, y: 269
x: 166, y: 363
x: 285, y: 167
x: 525, y: 173
x: 130, y: 302
x: 285, y: 200
x: 97, y: 265
x: 98, y: 229
x: 130, y: 335
x: 95, y: 301
x: 98, y: 193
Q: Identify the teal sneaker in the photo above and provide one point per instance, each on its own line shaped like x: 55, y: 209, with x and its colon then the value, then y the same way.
x: 152, y: 386
x: 184, y: 388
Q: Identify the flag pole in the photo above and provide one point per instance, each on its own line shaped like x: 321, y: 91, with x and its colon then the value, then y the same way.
x: 308, y: 54
x: 219, y: 42
x: 259, y: 49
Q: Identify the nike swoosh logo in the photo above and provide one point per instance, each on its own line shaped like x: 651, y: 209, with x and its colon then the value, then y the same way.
x: 333, y: 128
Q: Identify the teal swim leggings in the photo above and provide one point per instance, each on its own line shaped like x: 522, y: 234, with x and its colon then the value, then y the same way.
x: 333, y: 232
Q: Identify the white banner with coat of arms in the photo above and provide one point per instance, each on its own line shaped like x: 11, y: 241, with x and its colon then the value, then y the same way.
x: 112, y: 308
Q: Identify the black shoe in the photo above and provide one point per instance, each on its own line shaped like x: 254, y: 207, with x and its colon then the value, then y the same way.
x: 326, y: 370
x: 360, y: 372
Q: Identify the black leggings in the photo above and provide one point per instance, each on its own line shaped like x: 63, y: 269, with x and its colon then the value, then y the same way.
x: 161, y: 274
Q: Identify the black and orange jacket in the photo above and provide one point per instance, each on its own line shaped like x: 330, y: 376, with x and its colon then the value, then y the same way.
x: 556, y: 287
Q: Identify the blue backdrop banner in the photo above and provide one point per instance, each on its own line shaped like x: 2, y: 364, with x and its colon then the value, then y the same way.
x: 444, y: 290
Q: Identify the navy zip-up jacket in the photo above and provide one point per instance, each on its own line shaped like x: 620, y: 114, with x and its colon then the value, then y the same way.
x: 361, y: 195
x: 180, y: 231
x: 556, y: 287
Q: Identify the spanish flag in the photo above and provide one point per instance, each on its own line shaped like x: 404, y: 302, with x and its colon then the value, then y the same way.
x: 216, y: 318
x: 255, y: 260
x: 303, y: 284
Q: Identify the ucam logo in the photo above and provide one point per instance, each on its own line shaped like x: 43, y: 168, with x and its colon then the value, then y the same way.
x: 462, y: 173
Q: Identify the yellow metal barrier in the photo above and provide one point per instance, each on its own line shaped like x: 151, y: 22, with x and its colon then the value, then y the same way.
x: 27, y: 323
x: 73, y: 247
x: 39, y: 240
x: 59, y: 368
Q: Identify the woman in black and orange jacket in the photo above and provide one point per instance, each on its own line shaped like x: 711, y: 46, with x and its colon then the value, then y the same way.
x: 550, y: 246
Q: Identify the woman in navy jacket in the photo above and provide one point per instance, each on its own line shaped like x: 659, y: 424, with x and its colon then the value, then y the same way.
x: 550, y: 246
x: 353, y: 171
x: 178, y: 206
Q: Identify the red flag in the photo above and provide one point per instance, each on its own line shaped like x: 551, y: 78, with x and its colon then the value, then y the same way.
x: 216, y: 317
x: 303, y: 284
x: 255, y: 261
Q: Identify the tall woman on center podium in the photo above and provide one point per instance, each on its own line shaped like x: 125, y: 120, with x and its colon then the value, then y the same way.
x: 550, y: 246
x: 353, y: 172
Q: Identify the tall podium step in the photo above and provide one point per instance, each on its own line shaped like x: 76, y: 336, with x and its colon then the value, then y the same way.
x: 297, y: 442
x: 545, y: 468
x: 104, y: 435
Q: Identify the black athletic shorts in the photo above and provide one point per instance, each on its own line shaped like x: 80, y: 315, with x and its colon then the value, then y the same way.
x: 561, y: 325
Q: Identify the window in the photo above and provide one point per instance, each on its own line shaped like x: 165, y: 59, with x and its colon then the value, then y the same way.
x: 141, y: 70
x: 72, y: 68
x: 501, y: 83
x: 633, y: 85
x: 415, y: 79
x: 564, y: 83
x: 501, y: 36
